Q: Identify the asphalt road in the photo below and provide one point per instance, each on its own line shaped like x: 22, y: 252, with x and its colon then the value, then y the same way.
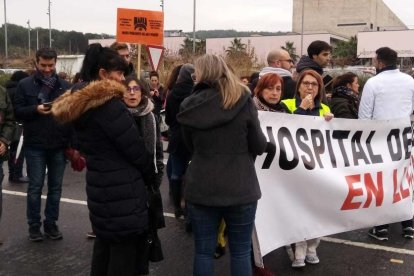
x: 352, y: 253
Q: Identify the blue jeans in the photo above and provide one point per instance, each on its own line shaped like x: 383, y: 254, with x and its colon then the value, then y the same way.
x: 179, y: 164
x: 239, y: 222
x: 37, y: 161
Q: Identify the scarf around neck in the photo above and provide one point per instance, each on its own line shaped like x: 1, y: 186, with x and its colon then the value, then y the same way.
x: 48, y: 84
x: 147, y: 125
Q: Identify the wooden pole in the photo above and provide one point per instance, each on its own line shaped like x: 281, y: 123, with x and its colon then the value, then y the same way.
x: 139, y: 62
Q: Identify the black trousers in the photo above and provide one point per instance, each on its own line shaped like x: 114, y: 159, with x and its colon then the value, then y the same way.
x: 117, y: 259
x: 404, y: 224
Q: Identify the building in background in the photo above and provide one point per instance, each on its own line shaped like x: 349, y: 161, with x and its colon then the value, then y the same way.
x: 344, y: 17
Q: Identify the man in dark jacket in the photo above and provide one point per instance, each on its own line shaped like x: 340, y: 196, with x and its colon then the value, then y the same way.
x: 6, y: 134
x: 319, y: 56
x: 281, y: 63
x: 16, y: 162
x: 45, y: 142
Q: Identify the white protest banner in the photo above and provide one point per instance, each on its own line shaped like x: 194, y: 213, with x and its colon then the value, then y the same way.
x: 331, y: 177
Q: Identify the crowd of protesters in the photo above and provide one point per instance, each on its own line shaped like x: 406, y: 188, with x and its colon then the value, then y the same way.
x: 109, y: 121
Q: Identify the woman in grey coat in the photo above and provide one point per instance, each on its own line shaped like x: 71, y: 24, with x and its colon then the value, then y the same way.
x: 221, y: 129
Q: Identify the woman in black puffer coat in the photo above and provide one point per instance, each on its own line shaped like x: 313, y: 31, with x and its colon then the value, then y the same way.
x: 116, y: 159
x: 345, y: 100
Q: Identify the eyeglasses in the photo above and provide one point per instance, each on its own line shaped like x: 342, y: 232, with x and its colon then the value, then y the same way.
x: 311, y: 84
x: 134, y: 89
x: 288, y: 60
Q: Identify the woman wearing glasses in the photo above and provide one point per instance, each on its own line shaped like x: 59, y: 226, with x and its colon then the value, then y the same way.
x: 308, y: 96
x: 137, y: 99
x: 307, y: 101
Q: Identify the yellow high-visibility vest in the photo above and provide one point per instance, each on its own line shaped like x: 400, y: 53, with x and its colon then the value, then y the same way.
x: 291, y: 105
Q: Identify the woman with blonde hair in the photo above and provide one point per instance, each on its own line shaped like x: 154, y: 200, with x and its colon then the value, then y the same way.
x: 221, y: 129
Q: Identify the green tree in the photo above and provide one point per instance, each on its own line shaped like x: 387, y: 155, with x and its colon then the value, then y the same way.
x: 345, y: 52
x: 236, y: 48
x: 291, y: 49
x: 186, y: 51
x: 241, y: 57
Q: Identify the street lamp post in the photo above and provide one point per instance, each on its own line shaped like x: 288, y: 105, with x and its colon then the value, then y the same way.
x: 28, y: 31
x: 301, y: 34
x: 50, y: 25
x: 5, y: 31
x: 194, y: 26
x: 37, y: 38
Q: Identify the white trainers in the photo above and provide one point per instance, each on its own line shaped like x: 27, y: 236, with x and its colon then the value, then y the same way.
x: 298, y: 263
x: 312, y: 259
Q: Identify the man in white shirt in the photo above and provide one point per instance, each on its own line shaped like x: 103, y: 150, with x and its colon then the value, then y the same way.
x: 388, y: 95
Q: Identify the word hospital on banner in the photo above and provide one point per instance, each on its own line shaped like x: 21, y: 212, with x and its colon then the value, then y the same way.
x: 324, y: 177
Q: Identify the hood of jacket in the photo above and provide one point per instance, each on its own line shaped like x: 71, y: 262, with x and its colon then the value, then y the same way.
x: 70, y: 106
x: 203, y: 109
x: 306, y: 62
x: 11, y: 84
x: 182, y: 90
x: 280, y: 71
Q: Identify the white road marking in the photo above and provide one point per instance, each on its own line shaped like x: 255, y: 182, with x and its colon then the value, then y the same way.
x: 370, y: 246
x: 326, y: 239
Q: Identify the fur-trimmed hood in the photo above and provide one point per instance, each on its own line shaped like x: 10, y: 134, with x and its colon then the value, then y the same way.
x: 71, y: 105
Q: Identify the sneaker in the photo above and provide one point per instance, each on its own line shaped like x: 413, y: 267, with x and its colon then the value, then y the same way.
x: 34, y: 233
x: 312, y: 259
x: 298, y: 263
x: 91, y: 235
x: 408, y: 233
x: 52, y: 231
x: 381, y: 234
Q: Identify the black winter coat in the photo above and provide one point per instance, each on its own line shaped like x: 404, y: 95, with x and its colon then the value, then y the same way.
x: 175, y: 98
x: 289, y: 86
x: 344, y: 104
x: 224, y: 145
x: 40, y: 131
x: 115, y: 158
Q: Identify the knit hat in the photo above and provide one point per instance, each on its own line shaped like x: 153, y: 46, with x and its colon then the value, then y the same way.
x: 185, y: 73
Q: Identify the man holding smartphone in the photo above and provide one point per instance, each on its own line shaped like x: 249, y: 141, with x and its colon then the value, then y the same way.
x: 44, y: 142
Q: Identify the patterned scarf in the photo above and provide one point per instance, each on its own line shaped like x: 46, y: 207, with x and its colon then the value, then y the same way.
x: 146, y: 123
x: 261, y: 104
x: 48, y: 84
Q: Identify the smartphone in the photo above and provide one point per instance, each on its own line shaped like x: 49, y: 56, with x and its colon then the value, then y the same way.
x: 47, y: 105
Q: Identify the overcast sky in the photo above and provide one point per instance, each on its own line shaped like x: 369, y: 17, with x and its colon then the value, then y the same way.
x: 99, y: 16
